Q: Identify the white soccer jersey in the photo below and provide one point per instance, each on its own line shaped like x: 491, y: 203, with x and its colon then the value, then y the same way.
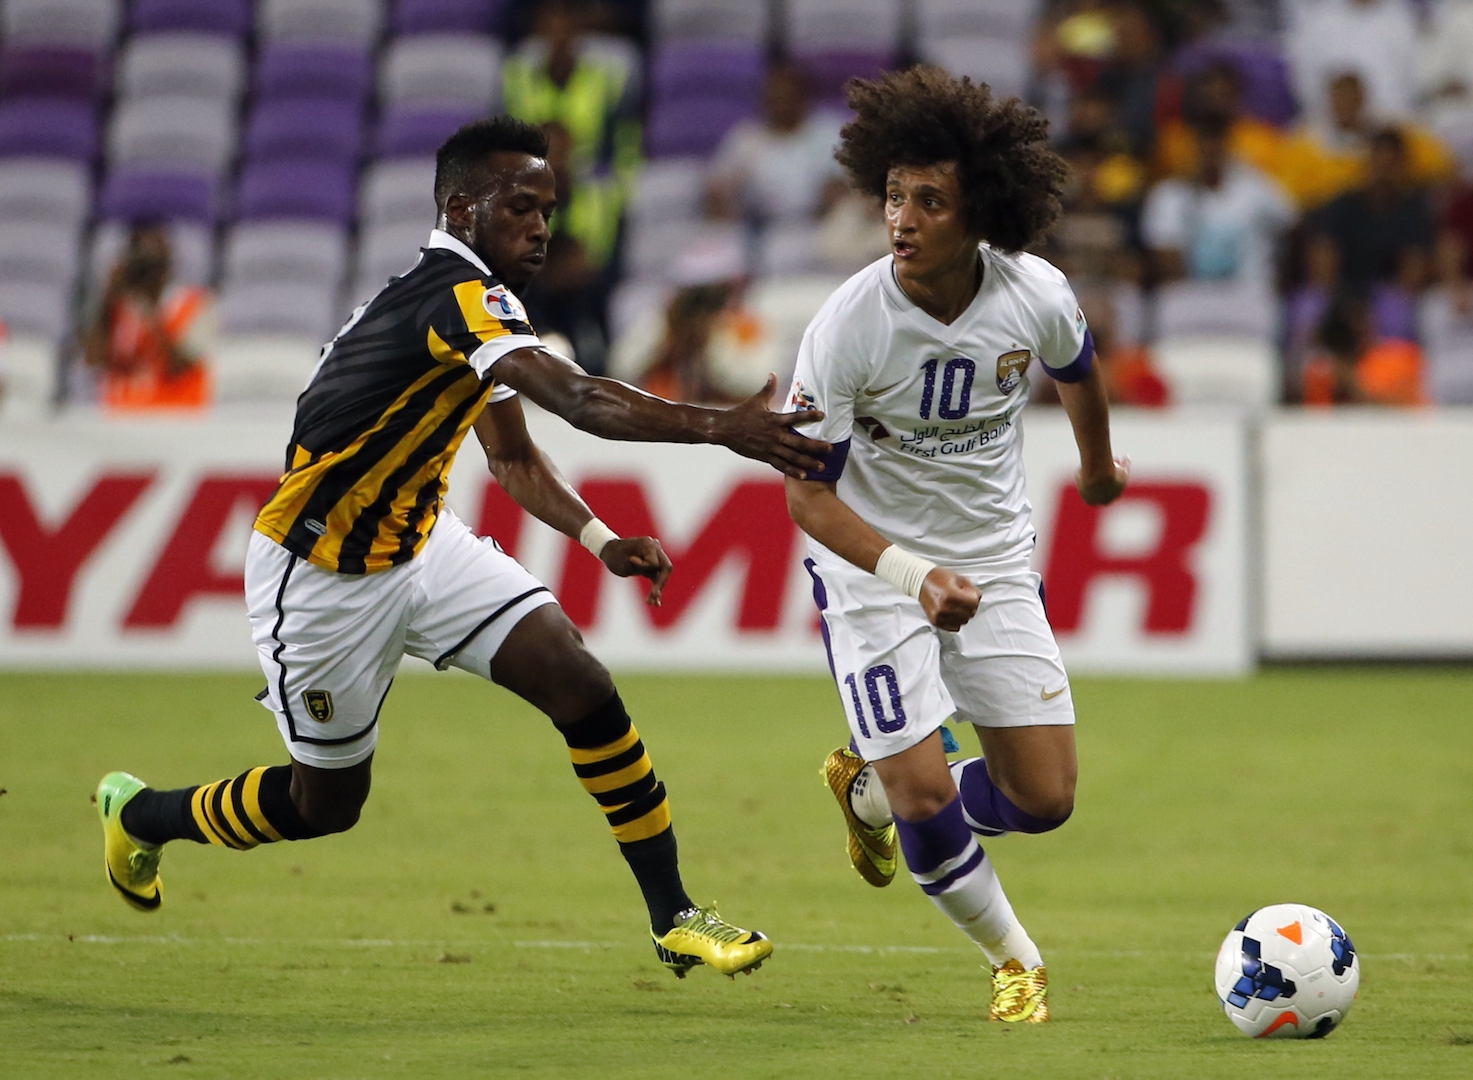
x: 928, y: 413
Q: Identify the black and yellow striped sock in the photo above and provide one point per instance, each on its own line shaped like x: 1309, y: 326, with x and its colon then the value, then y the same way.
x: 238, y: 812
x: 613, y: 766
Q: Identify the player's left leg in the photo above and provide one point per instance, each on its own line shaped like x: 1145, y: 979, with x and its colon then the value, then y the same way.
x: 484, y: 613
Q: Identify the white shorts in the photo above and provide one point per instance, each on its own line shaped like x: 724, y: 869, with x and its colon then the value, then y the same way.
x: 900, y: 678
x: 330, y: 643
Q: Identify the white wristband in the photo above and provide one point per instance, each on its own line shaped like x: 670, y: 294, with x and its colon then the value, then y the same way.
x: 595, y: 535
x: 903, y: 570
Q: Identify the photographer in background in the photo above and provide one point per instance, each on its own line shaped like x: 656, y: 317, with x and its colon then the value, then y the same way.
x: 147, y: 338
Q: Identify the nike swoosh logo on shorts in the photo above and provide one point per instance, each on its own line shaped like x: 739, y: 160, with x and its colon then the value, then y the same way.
x: 1047, y: 696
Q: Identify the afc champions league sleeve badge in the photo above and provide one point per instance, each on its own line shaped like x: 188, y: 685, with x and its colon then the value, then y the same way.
x: 501, y: 304
x: 1010, y: 368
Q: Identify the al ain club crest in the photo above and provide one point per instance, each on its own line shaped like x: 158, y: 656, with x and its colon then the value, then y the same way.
x: 1010, y: 368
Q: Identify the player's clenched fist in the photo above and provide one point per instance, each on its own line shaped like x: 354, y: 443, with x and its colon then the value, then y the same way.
x: 639, y: 556
x: 949, y: 600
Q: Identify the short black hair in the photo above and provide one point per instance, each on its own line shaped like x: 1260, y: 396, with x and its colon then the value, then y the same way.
x: 1010, y: 179
x: 460, y: 155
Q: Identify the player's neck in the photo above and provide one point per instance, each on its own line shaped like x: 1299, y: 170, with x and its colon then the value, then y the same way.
x: 946, y: 292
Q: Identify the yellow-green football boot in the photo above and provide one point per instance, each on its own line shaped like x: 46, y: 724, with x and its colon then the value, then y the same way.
x: 871, y: 850
x: 1019, y: 994
x: 132, y: 867
x: 704, y: 937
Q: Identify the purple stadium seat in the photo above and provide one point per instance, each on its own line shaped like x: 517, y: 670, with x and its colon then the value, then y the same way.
x: 829, y: 70
x: 692, y: 125
x: 317, y: 189
x: 229, y: 17
x: 417, y: 132
x: 53, y: 72
x: 305, y: 127
x: 1267, y: 90
x: 147, y: 194
x: 710, y: 70
x: 48, y: 127
x: 292, y: 71
x: 438, y: 16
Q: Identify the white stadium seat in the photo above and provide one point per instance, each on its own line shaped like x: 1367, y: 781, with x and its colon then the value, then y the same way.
x: 442, y: 69
x: 39, y: 189
x: 1449, y: 340
x: 1003, y: 65
x: 668, y: 188
x: 386, y: 251
x: 173, y: 130
x: 311, y: 253
x: 338, y: 22
x: 78, y: 23
x: 735, y: 22
x: 192, y: 244
x: 35, y: 309
x: 844, y: 24
x: 185, y: 64
x: 39, y: 251
x: 1219, y: 370
x: 286, y: 309
x: 398, y: 192
x: 251, y: 368
x: 1011, y: 20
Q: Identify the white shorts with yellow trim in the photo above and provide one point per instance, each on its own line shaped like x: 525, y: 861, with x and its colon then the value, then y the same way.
x: 900, y: 678
x: 331, y: 643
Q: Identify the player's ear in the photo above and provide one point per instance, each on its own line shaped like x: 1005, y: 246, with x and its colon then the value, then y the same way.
x: 458, y: 210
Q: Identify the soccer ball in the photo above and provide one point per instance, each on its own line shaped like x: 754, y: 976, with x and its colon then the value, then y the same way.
x: 1287, y: 971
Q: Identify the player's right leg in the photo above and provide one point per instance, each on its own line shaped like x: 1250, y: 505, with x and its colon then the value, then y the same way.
x: 329, y: 645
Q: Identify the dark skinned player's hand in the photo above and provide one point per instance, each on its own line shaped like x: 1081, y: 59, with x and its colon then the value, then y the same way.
x: 639, y: 556
x: 753, y: 430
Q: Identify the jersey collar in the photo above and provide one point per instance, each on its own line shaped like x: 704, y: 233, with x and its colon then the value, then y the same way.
x: 439, y: 238
x: 936, y: 328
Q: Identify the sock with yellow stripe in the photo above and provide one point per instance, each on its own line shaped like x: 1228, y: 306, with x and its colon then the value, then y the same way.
x: 614, y: 768
x: 238, y: 812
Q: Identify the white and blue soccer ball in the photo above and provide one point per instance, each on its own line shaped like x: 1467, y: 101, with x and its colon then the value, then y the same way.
x: 1287, y: 971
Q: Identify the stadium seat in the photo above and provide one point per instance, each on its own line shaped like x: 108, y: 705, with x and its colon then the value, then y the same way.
x: 307, y: 252
x: 1448, y: 336
x: 192, y: 244
x: 35, y: 309
x: 349, y: 22
x: 717, y: 69
x: 437, y: 16
x: 669, y: 188
x: 710, y: 20
x: 828, y: 70
x: 181, y: 63
x: 318, y: 190
x: 41, y: 71
x: 655, y: 249
x: 417, y: 131
x: 314, y: 70
x: 272, y: 367
x: 36, y: 189
x: 1219, y: 369
x: 173, y: 131
x: 89, y: 23
x: 41, y: 252
x: 28, y: 369
x: 791, y: 249
x: 999, y: 62
x: 398, y: 192
x: 135, y: 193
x: 304, y: 127
x: 693, y: 126
x: 386, y: 251
x: 1011, y: 20
x: 868, y: 25
x: 442, y: 69
x: 635, y: 300
x: 1198, y: 308
x: 231, y: 18
x: 48, y: 127
x: 295, y: 309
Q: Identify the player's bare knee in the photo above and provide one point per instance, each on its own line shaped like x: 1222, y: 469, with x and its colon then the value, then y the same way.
x: 1050, y: 804
x: 332, y: 818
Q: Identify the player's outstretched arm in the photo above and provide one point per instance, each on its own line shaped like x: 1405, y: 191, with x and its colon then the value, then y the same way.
x: 948, y: 599
x: 526, y: 474
x: 1101, y: 477
x: 614, y: 410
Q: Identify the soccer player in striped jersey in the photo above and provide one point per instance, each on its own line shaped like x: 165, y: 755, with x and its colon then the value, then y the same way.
x: 918, y: 527
x: 356, y: 561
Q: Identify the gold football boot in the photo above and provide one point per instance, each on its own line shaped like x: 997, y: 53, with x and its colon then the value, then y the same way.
x: 871, y: 850
x: 704, y: 937
x: 132, y: 868
x: 1019, y: 994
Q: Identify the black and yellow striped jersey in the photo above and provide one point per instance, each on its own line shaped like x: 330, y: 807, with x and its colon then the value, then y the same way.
x: 384, y: 413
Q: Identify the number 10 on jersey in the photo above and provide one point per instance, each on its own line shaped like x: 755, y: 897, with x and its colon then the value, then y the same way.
x: 887, y: 724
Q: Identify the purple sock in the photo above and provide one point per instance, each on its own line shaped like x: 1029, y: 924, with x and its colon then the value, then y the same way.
x: 989, y: 810
x: 940, y: 850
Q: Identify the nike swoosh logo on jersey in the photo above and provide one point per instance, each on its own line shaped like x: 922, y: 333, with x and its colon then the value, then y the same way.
x: 884, y: 389
x: 1047, y: 696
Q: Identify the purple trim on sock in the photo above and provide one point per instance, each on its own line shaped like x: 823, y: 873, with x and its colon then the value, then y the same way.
x: 930, y: 843
x: 1076, y: 370
x: 940, y: 885
x: 991, y: 809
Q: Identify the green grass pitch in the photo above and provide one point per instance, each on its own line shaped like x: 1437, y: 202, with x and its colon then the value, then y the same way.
x: 479, y: 922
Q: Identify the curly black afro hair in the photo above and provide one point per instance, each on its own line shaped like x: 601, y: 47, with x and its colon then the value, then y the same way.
x: 1010, y: 179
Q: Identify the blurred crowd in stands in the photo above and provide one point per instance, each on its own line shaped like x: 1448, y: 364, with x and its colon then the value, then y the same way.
x: 1270, y: 200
